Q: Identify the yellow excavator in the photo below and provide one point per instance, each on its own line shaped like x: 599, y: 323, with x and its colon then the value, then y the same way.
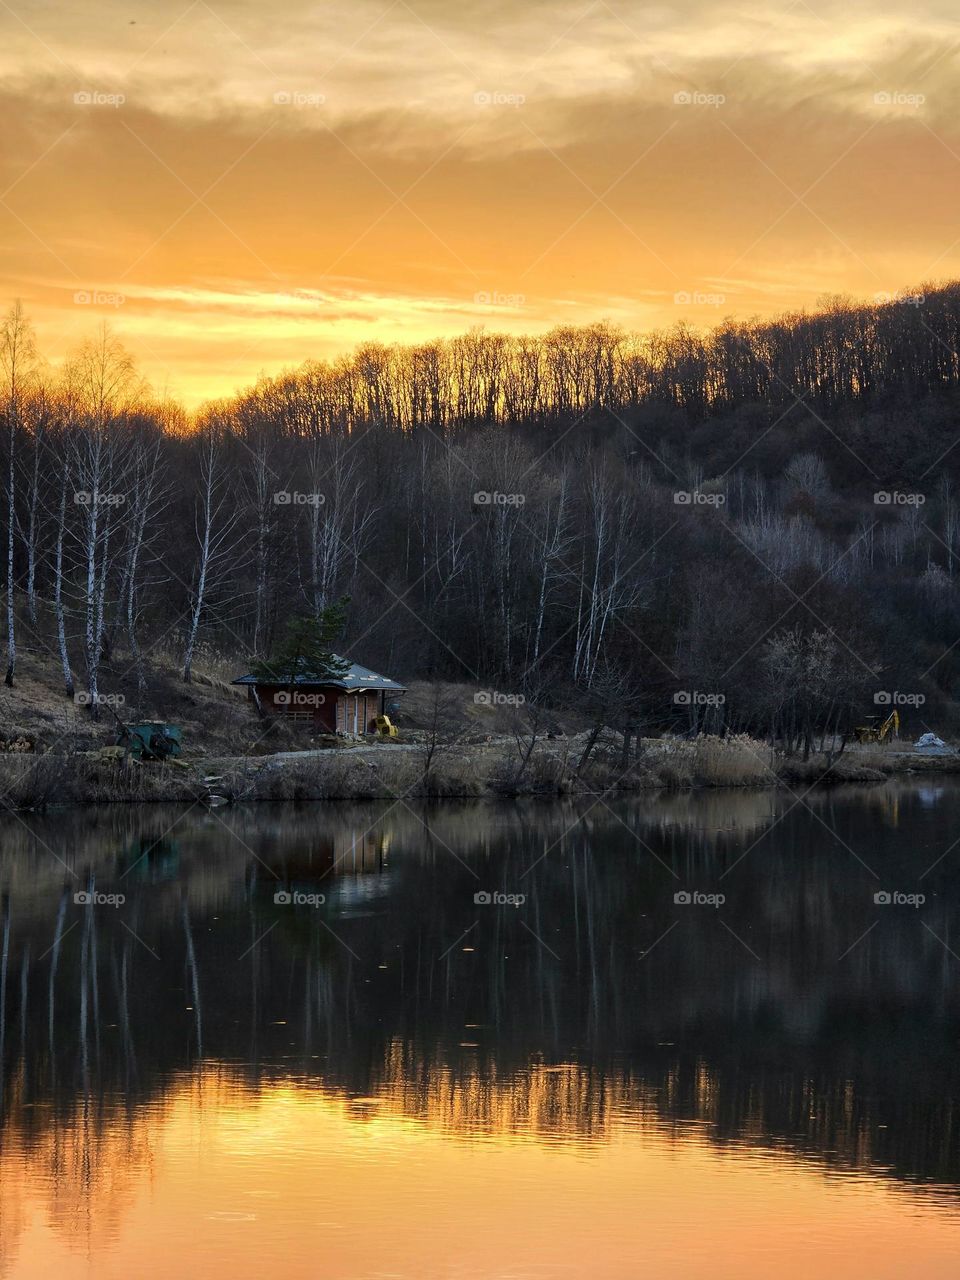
x: 385, y: 729
x: 881, y: 732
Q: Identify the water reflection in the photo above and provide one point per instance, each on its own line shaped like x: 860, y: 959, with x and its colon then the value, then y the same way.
x: 799, y: 1022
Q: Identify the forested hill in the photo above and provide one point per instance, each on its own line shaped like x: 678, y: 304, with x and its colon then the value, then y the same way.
x: 757, y: 527
x: 868, y: 374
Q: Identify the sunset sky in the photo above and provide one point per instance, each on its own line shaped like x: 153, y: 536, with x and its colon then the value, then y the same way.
x: 238, y: 187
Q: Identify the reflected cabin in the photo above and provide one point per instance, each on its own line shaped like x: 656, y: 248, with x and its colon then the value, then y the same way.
x: 347, y: 704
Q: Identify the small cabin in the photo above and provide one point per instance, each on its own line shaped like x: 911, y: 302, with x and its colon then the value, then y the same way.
x: 347, y: 704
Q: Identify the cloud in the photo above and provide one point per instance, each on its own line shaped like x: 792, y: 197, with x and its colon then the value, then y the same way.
x: 429, y: 62
x: 367, y: 170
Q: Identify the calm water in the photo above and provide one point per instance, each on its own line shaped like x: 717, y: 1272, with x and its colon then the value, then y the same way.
x: 598, y: 1080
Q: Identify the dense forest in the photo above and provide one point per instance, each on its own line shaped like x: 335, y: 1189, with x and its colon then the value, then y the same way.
x: 758, y: 527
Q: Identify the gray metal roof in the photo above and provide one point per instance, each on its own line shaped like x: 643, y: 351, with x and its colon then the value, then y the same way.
x: 357, y: 677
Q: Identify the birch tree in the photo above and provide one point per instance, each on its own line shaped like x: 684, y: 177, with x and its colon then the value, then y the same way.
x: 216, y: 517
x: 102, y: 384
x: 18, y: 366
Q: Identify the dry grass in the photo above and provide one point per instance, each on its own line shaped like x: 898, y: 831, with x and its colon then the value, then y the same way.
x: 860, y: 768
x: 711, y: 761
x: 38, y: 782
x: 348, y: 776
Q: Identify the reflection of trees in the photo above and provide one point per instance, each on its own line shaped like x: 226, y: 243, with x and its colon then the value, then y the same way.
x: 83, y: 1159
x: 573, y: 1009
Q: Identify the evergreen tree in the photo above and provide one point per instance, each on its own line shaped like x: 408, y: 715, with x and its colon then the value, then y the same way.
x: 305, y: 648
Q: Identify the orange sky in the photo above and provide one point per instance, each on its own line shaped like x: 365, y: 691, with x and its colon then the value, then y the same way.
x: 238, y: 187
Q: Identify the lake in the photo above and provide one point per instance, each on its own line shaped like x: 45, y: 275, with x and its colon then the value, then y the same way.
x: 710, y: 1035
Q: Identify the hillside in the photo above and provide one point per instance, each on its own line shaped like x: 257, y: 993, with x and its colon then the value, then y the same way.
x: 755, y: 529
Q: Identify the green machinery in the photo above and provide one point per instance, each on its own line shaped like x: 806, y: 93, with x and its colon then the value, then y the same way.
x: 150, y: 740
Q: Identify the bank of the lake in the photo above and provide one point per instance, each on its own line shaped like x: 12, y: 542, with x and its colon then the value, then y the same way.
x: 500, y: 767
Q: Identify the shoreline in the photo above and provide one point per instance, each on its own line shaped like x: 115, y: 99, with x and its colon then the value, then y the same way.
x: 378, y: 772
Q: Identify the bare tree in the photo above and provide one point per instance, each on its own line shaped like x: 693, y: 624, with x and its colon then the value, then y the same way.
x: 216, y: 519
x: 18, y: 364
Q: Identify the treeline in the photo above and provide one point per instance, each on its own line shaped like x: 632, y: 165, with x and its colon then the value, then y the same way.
x: 847, y: 353
x: 563, y: 518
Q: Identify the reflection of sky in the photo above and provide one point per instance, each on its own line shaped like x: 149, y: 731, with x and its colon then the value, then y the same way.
x: 930, y: 797
x: 217, y: 1179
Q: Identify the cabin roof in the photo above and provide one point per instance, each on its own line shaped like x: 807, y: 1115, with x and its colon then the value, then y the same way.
x: 357, y: 677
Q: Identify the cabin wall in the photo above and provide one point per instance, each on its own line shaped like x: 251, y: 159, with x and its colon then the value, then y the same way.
x: 329, y: 709
x: 357, y: 712
x: 314, y: 705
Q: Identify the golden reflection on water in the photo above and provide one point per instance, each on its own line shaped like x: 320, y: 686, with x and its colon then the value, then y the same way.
x: 550, y: 1173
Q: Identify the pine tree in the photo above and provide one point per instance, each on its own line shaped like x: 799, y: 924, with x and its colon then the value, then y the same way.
x: 305, y: 649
